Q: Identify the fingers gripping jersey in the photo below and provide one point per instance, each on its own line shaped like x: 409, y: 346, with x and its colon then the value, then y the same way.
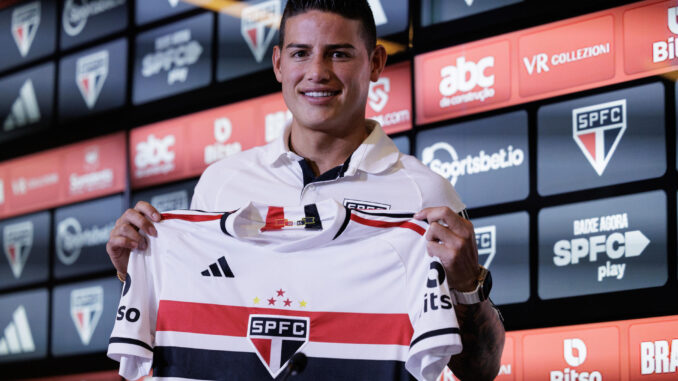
x: 235, y: 295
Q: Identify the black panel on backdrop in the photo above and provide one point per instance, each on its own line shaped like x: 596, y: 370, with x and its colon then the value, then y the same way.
x: 390, y: 16
x: 486, y: 160
x: 27, y: 32
x: 152, y: 10
x: 173, y: 59
x: 435, y: 11
x: 176, y: 196
x: 81, y: 232
x: 86, y: 20
x: 83, y: 315
x: 25, y: 244
x: 403, y: 144
x: 603, y: 246
x: 247, y: 35
x: 504, y: 248
x: 93, y: 80
x: 600, y: 140
x: 26, y: 101
x: 23, y: 325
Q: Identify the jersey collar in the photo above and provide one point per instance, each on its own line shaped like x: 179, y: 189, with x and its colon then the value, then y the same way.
x: 376, y: 154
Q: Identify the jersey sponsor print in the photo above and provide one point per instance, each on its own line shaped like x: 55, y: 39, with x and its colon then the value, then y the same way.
x: 451, y: 81
x: 83, y: 316
x: 271, y: 311
x: 86, y: 20
x: 601, y: 140
x: 25, y: 246
x: 27, y: 31
x: 173, y: 59
x: 603, y: 246
x: 477, y: 156
x: 23, y: 325
x: 655, y: 46
x: 389, y: 99
x: 653, y: 351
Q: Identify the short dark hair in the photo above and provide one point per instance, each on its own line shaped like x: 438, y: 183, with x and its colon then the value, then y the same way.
x: 350, y: 9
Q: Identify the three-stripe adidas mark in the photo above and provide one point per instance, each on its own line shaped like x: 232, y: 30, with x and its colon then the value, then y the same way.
x: 17, y: 336
x: 214, y: 269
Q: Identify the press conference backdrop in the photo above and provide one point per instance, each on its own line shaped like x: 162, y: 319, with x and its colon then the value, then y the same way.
x: 556, y: 125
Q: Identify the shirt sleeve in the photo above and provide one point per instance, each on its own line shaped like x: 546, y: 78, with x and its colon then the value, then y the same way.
x: 436, y: 330
x: 133, y: 335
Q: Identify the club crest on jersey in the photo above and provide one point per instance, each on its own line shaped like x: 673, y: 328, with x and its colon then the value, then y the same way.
x: 486, y: 240
x: 90, y: 74
x: 258, y: 26
x: 18, y: 240
x: 25, y: 23
x: 597, y: 131
x: 86, y: 307
x: 277, y: 338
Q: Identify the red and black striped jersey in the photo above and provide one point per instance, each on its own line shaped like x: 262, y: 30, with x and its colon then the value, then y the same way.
x: 235, y: 295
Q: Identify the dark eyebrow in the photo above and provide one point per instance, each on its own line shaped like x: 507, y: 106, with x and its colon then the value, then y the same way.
x: 329, y: 47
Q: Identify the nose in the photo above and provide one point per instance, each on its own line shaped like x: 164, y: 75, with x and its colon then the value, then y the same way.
x: 319, y: 69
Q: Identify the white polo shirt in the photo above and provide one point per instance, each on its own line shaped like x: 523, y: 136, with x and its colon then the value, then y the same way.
x: 376, y: 176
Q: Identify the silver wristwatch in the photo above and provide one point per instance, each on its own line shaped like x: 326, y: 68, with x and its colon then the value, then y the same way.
x: 481, y: 293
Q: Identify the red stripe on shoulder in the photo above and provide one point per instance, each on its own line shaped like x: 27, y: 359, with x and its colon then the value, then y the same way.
x: 190, y: 217
x: 384, y: 224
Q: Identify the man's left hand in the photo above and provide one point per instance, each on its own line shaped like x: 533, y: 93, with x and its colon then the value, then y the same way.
x: 452, y: 239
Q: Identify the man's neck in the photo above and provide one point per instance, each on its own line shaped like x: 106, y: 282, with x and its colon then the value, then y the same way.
x: 325, y: 150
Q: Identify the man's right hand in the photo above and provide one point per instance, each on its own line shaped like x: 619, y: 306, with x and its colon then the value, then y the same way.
x: 125, y: 235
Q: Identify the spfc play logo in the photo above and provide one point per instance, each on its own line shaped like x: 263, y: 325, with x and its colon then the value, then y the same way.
x: 486, y: 240
x: 277, y: 338
x: 25, y: 23
x: 18, y: 240
x: 597, y: 131
x: 86, y: 307
x: 90, y: 74
x: 259, y: 24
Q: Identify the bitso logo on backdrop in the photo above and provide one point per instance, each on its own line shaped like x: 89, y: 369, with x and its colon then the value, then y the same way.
x: 221, y: 148
x: 25, y: 23
x: 667, y: 50
x: 258, y: 26
x: 574, y: 353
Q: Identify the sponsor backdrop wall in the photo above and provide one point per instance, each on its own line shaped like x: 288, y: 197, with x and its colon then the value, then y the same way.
x: 556, y: 126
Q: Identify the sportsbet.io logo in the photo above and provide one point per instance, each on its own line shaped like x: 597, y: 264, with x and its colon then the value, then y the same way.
x: 277, y: 338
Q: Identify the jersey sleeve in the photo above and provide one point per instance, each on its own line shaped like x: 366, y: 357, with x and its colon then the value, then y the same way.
x: 132, y: 339
x: 436, y: 330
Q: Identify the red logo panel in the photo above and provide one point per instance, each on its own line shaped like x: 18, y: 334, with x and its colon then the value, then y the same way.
x: 272, y: 115
x: 33, y: 182
x: 566, y: 56
x: 650, y: 37
x: 653, y: 351
x: 451, y: 81
x: 390, y: 99
x: 572, y: 355
x: 158, y: 153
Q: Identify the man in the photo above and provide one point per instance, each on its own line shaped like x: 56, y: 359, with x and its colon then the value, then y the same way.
x: 325, y: 60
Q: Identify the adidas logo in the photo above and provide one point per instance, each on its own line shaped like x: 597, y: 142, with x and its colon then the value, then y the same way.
x: 25, y: 108
x: 18, y: 337
x: 214, y: 269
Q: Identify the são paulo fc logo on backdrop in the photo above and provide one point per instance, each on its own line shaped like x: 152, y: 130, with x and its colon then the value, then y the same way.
x: 597, y: 131
x: 90, y: 74
x: 486, y: 240
x: 25, y: 23
x: 258, y: 26
x: 18, y: 240
x: 277, y: 338
x: 86, y: 307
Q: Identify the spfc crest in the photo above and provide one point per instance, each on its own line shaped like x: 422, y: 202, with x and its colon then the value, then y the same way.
x: 18, y: 240
x: 277, y: 338
x: 86, y: 307
x: 25, y: 23
x: 486, y: 240
x: 258, y: 26
x: 597, y: 131
x: 90, y: 74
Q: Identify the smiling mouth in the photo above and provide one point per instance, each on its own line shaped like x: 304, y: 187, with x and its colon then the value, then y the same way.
x: 320, y: 94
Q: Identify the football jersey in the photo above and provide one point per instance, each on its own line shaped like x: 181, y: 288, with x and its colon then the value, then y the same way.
x: 235, y: 295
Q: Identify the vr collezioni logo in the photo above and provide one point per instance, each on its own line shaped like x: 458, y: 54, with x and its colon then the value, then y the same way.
x: 450, y: 166
x: 466, y: 81
x: 605, y: 238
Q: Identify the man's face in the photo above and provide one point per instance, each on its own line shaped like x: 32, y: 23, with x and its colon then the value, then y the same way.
x: 325, y: 71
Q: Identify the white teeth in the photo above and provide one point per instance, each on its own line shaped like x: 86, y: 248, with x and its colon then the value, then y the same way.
x: 319, y: 93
